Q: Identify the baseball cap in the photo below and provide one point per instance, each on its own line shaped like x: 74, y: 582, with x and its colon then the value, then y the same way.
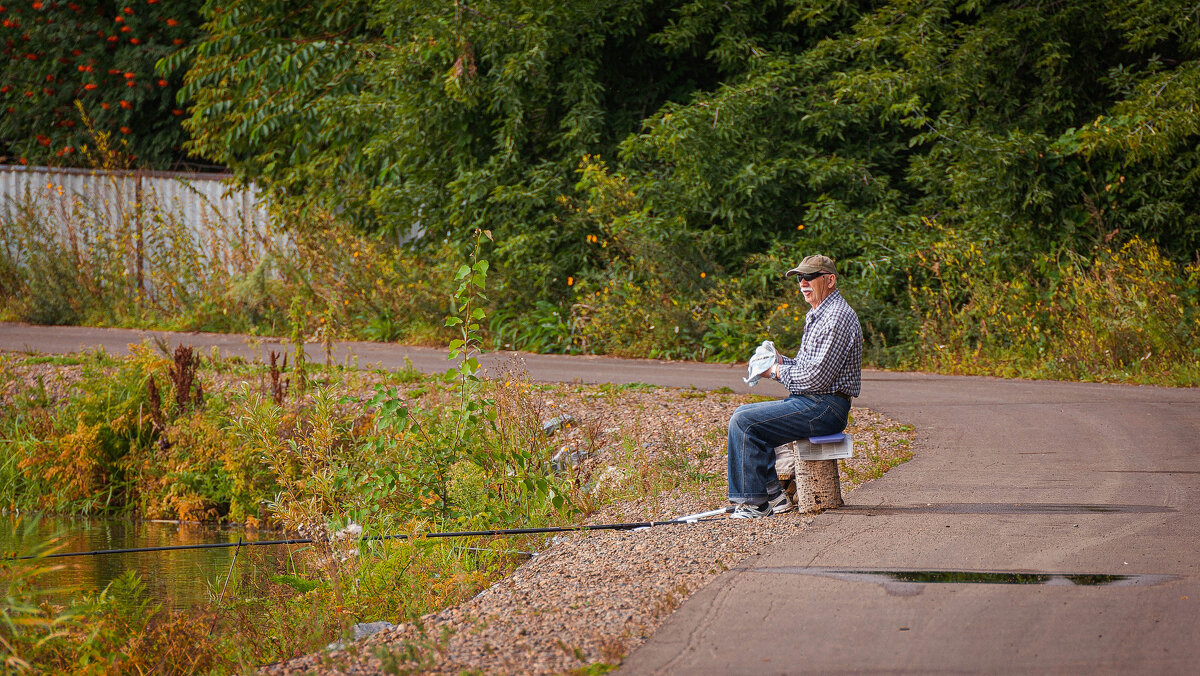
x: 813, y: 264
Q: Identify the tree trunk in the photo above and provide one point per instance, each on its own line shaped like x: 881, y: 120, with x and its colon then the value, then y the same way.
x: 813, y: 485
x: 817, y: 486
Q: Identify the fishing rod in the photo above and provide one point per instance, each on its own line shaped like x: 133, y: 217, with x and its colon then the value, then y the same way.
x: 691, y: 518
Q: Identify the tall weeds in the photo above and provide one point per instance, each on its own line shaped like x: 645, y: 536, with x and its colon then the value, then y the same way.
x: 1124, y: 314
x: 109, y: 257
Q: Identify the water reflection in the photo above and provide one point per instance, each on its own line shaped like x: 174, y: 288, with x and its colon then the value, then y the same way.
x: 176, y: 579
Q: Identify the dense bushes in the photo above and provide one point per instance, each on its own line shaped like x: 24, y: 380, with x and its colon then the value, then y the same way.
x: 638, y: 160
x: 648, y: 169
x: 1126, y: 315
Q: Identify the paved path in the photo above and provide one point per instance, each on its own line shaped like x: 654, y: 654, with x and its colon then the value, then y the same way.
x: 1009, y: 476
x: 547, y: 368
x: 1091, y: 491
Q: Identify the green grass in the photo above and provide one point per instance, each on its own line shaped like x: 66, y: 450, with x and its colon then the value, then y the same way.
x: 55, y: 359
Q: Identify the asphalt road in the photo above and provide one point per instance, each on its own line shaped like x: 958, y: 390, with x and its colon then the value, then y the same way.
x: 546, y: 368
x: 1091, y: 491
x: 1042, y: 527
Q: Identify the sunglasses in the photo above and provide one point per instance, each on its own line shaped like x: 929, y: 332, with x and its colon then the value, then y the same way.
x: 809, y: 276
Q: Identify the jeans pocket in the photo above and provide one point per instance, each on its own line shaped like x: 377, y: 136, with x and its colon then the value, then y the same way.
x: 830, y: 421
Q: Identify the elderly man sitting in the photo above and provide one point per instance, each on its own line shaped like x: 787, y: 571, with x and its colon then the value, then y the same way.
x: 822, y: 378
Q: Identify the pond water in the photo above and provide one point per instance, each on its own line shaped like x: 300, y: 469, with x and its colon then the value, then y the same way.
x: 176, y: 579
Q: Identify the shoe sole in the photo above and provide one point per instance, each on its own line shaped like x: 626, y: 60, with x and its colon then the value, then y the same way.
x: 750, y: 515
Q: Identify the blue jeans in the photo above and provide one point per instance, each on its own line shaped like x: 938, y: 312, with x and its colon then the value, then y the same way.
x: 756, y: 429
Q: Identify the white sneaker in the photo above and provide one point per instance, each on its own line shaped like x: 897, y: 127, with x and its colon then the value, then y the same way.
x: 751, y: 511
x: 780, y: 504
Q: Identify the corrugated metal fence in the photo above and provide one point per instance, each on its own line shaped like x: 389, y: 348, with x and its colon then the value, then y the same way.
x: 202, y: 204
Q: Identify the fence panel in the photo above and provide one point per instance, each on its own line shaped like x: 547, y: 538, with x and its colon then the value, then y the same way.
x: 203, y: 204
x: 162, y: 235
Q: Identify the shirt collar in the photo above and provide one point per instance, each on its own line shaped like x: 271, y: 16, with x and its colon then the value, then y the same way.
x: 816, y: 312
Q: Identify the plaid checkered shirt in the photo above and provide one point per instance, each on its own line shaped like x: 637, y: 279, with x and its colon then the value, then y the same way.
x: 830, y: 356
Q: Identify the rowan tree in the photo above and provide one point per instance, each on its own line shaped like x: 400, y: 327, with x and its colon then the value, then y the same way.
x: 101, y: 55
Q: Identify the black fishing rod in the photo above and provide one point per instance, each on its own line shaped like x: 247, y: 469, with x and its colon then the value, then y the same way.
x: 691, y: 518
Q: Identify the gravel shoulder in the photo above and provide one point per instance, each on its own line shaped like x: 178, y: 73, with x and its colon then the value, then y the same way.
x: 589, y: 599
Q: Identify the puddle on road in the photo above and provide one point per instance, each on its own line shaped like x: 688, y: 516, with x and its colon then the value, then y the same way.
x: 1000, y: 508
x: 923, y: 577
x: 1150, y: 471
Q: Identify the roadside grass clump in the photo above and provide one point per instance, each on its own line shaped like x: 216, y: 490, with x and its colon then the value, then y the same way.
x: 873, y: 458
x: 1123, y: 314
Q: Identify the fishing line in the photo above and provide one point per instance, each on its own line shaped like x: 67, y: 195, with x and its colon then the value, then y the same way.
x: 228, y: 575
x: 693, y: 518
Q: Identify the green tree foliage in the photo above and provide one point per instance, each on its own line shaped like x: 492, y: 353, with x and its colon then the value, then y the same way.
x: 692, y: 148
x: 440, y: 118
x: 968, y: 112
x: 262, y: 86
x: 101, y: 55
